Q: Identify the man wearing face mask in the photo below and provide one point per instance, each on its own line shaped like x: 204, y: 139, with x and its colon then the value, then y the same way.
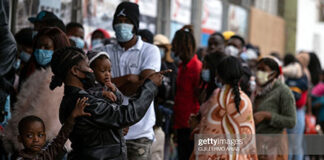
x: 75, y: 32
x: 132, y: 62
x: 235, y: 46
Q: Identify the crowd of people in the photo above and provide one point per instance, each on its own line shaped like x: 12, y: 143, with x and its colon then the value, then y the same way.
x: 140, y: 96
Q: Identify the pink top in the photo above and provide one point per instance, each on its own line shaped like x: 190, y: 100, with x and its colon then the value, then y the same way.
x: 318, y: 90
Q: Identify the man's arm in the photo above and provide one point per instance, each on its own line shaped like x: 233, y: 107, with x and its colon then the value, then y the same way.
x: 8, y: 47
x: 104, y: 114
x: 150, y: 64
x: 131, y: 87
x: 121, y: 81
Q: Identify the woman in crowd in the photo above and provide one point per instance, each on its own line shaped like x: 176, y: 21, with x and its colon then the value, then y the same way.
x: 99, y: 136
x: 44, y: 45
x: 228, y: 111
x: 274, y: 106
x: 35, y: 97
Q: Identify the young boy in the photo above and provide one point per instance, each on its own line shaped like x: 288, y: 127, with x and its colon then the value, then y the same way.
x: 32, y: 135
x: 100, y: 64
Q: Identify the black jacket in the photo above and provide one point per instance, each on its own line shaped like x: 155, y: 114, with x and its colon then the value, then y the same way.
x: 99, y: 137
x: 8, y: 46
x: 8, y: 52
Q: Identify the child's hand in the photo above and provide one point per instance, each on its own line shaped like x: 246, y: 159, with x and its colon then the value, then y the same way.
x: 79, y: 108
x: 110, y: 95
x: 125, y: 131
x: 111, y: 86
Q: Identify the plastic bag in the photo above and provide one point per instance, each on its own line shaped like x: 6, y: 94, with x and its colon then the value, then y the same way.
x: 310, y: 124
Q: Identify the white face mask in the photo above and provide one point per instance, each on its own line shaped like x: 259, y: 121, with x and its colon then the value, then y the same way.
x: 232, y: 51
x: 262, y: 77
x: 162, y: 52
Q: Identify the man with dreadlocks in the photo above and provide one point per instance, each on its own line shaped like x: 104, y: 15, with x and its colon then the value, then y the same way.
x: 186, y: 99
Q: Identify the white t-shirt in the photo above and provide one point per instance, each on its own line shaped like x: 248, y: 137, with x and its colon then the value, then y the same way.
x: 140, y: 57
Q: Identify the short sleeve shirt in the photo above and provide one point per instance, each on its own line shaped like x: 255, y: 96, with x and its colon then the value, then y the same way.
x: 140, y: 57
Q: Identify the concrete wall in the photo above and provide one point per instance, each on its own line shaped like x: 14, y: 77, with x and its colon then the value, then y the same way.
x: 267, y: 31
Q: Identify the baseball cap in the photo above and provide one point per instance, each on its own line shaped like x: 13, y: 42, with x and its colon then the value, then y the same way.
x: 42, y: 16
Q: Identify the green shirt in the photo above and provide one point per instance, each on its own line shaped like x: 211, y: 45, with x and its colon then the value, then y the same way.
x: 281, y: 103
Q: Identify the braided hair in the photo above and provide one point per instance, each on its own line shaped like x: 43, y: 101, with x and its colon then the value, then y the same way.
x: 62, y: 61
x: 184, y: 41
x: 230, y: 71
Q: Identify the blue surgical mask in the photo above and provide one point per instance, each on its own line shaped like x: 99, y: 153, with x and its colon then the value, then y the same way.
x: 218, y: 83
x: 162, y: 52
x: 205, y: 75
x: 96, y: 42
x: 17, y: 64
x: 174, y: 57
x: 34, y: 34
x: 124, y: 32
x: 244, y: 56
x: 43, y: 57
x: 24, y: 56
x: 79, y: 43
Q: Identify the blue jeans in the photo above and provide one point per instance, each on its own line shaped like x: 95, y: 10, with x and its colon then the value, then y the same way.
x: 296, y: 142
